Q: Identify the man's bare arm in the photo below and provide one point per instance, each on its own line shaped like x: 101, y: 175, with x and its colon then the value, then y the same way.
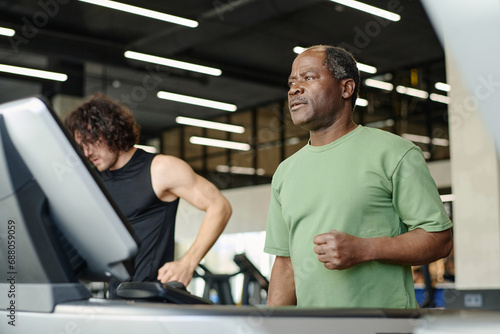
x: 338, y: 250
x: 177, y: 178
x: 282, y: 283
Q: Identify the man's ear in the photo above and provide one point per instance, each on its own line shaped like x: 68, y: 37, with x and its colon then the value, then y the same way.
x: 348, y: 86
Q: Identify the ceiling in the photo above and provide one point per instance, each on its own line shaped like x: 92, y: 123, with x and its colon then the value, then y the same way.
x: 251, y: 41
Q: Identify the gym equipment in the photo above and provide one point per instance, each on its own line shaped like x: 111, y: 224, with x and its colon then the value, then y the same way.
x: 60, y: 224
x: 218, y: 283
x: 253, y: 283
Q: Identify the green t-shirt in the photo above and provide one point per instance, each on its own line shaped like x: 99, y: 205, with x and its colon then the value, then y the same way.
x: 369, y: 183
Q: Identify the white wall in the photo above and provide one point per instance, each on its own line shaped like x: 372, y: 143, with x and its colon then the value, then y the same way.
x: 250, y: 206
x: 469, y: 34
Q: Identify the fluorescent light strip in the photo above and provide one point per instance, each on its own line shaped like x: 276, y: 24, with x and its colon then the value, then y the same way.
x: 7, y: 32
x: 426, y: 140
x: 369, y: 9
x: 292, y: 141
x: 196, y: 101
x: 172, y: 63
x: 240, y: 170
x: 381, y: 124
x: 361, y: 102
x: 147, y: 148
x: 416, y: 138
x: 447, y: 198
x: 379, y: 84
x: 440, y: 98
x: 366, y: 68
x: 412, y: 92
x: 33, y: 73
x: 143, y: 12
x: 209, y: 125
x: 362, y: 67
x: 442, y: 86
x: 440, y: 142
x: 219, y: 143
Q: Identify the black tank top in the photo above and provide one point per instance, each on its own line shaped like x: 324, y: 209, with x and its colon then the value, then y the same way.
x: 152, y: 219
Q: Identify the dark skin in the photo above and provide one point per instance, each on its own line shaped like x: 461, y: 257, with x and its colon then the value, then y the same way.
x: 322, y: 105
x: 318, y: 102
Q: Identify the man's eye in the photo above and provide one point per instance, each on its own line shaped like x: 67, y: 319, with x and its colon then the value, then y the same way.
x: 290, y: 84
x: 309, y: 78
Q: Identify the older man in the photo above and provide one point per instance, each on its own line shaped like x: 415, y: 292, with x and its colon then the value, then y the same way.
x: 353, y: 209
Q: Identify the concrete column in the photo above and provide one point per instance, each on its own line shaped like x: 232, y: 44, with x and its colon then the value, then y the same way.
x: 476, y: 186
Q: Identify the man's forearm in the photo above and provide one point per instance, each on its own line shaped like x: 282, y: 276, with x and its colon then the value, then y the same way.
x: 212, y: 226
x: 282, y: 283
x: 339, y: 250
x: 413, y: 248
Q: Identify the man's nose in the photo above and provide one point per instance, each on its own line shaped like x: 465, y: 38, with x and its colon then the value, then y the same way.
x: 295, y: 89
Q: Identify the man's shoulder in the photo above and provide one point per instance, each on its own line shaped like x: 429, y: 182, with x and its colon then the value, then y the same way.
x: 165, y: 157
x: 168, y: 162
x: 288, y: 163
x: 294, y: 157
x: 171, y: 169
x: 386, y: 136
x: 378, y: 139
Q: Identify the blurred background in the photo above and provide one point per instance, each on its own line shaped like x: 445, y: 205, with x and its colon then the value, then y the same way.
x: 178, y: 64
